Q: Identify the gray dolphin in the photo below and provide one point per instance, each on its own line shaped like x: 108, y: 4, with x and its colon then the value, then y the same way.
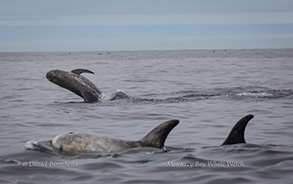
x: 84, y: 142
x: 76, y: 83
x: 236, y: 135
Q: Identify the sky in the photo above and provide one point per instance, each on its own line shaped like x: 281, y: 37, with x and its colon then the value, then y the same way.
x: 107, y: 25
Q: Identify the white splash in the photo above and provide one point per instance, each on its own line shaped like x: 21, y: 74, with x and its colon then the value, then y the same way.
x: 256, y: 94
x: 31, y: 145
x: 119, y: 94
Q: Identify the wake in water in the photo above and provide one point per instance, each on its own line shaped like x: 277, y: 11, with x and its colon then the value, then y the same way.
x: 251, y: 94
x: 247, y: 93
x: 238, y: 93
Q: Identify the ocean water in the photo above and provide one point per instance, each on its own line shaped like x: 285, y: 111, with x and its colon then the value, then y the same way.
x: 208, y: 91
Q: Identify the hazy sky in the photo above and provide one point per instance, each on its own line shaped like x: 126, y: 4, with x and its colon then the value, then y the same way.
x: 87, y: 25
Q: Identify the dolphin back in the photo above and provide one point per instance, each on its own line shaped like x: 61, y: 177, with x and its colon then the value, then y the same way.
x: 237, y: 133
x: 157, y: 137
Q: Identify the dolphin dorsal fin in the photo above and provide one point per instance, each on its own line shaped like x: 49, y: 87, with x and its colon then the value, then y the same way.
x: 156, y: 138
x: 237, y: 133
x: 80, y: 71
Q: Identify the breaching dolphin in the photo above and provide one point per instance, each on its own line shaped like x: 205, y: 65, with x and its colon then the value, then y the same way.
x: 76, y: 83
x: 84, y: 142
x: 236, y: 135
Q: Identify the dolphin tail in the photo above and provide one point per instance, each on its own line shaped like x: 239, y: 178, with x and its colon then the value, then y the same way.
x: 80, y: 71
x: 237, y: 133
x: 156, y: 138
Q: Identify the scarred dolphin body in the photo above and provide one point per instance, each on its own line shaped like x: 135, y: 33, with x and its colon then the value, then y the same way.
x: 76, y: 83
x: 86, y: 143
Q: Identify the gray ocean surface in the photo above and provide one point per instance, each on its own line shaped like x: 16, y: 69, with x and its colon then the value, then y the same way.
x: 208, y: 91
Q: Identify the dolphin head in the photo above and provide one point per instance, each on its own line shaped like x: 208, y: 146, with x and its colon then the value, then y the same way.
x: 66, y: 80
x: 57, y: 77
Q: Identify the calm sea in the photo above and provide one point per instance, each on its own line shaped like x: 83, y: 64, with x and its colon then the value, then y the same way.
x: 208, y: 91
